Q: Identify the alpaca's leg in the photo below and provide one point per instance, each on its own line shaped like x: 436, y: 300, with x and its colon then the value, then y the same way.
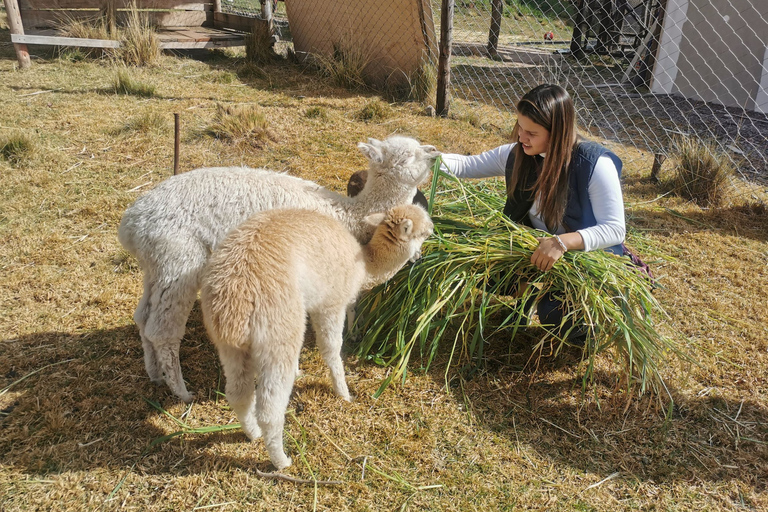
x: 276, y: 372
x: 171, y: 302
x: 239, y: 372
x: 140, y: 317
x: 329, y: 325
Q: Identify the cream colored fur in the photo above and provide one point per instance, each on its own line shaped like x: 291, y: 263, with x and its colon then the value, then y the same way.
x: 267, y: 276
x: 174, y: 228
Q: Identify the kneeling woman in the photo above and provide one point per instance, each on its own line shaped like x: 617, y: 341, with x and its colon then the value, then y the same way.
x: 556, y: 182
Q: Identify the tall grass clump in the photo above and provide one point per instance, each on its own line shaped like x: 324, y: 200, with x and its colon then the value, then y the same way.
x: 84, y: 28
x: 452, y: 297
x: 418, y: 85
x: 346, y: 66
x: 702, y: 173
x: 239, y: 123
x: 260, y: 44
x: 139, y: 43
x: 16, y: 147
x: 124, y: 83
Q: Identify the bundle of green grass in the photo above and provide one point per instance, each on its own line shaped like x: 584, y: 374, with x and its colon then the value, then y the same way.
x: 453, y: 296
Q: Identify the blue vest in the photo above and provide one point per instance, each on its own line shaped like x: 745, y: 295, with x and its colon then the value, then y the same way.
x: 578, y: 208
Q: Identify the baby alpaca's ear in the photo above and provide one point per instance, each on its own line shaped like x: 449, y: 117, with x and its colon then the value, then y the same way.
x: 406, y: 227
x: 431, y: 151
x: 372, y: 150
x: 375, y: 219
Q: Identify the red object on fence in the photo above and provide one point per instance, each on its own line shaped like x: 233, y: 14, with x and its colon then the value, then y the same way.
x: 549, y: 36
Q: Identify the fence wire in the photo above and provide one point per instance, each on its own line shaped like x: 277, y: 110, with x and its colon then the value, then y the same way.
x: 641, y: 72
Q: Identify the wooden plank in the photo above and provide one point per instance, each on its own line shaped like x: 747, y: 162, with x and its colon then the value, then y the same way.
x: 36, y: 20
x: 191, y: 45
x: 65, y: 41
x: 184, y: 5
x: 235, y: 21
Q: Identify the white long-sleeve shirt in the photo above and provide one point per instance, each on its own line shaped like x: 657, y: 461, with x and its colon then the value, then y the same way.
x: 604, y: 193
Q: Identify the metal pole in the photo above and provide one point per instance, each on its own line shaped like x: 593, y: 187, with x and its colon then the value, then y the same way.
x: 176, y: 144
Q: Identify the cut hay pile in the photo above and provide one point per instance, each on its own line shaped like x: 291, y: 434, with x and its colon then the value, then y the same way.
x: 456, y: 294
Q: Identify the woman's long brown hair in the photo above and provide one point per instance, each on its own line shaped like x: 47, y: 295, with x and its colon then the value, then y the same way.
x: 549, y: 106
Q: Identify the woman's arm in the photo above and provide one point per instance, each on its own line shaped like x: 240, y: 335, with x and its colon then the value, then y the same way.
x: 485, y: 165
x: 607, y: 206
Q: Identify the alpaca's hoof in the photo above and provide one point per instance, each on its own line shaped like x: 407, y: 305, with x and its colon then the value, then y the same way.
x: 282, y: 463
x: 187, y: 398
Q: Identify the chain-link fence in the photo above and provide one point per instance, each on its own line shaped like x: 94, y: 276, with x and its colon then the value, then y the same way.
x: 641, y: 71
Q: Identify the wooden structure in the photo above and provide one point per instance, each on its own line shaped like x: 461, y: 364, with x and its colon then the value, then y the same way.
x: 396, y: 37
x: 180, y: 24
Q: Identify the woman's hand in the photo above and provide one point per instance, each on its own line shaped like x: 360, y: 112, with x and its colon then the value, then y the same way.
x: 547, y: 253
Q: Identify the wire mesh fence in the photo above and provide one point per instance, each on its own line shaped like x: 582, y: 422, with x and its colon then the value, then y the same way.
x: 641, y: 72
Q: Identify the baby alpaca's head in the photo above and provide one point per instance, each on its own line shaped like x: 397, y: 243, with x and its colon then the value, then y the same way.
x: 405, y: 226
x: 402, y: 158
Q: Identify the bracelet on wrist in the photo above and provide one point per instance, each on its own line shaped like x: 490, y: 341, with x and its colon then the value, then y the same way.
x: 560, y: 243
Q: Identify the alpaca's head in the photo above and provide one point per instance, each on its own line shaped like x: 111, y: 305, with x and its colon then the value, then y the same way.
x: 400, y: 159
x: 407, y: 226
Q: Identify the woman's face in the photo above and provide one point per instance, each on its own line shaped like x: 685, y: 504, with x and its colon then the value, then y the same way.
x: 533, y: 137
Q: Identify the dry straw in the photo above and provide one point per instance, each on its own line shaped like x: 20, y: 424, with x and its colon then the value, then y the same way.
x: 451, y: 297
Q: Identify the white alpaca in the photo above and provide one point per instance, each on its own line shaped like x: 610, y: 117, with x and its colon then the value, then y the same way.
x: 174, y: 228
x: 263, y: 280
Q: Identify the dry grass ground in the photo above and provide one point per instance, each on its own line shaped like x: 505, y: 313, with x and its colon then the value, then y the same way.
x: 75, y: 421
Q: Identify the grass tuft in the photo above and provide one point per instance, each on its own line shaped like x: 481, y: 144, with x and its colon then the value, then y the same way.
x: 140, y: 45
x: 17, y: 147
x: 702, y: 173
x: 454, y: 292
x: 346, y: 67
x: 148, y: 122
x: 125, y: 84
x: 240, y: 123
x: 374, y: 110
x: 260, y: 45
x: 316, y: 113
x: 419, y: 85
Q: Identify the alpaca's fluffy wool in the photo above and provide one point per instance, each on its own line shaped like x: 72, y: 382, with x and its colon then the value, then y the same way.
x: 263, y: 280
x: 173, y: 229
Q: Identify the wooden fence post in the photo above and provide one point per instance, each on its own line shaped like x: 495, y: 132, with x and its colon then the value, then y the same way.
x: 444, y: 61
x: 14, y: 23
x: 497, y: 8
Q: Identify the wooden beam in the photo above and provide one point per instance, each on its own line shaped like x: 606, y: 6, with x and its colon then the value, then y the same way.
x: 444, y: 61
x: 497, y: 9
x: 65, y: 41
x: 17, y: 28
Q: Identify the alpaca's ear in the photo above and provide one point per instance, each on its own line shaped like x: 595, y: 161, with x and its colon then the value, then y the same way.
x: 372, y: 150
x: 375, y: 219
x: 406, y: 227
x: 431, y: 151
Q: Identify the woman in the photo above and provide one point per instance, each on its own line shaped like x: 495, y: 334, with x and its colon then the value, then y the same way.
x: 556, y: 182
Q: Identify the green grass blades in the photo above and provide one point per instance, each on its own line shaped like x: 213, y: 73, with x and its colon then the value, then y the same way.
x: 452, y: 296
